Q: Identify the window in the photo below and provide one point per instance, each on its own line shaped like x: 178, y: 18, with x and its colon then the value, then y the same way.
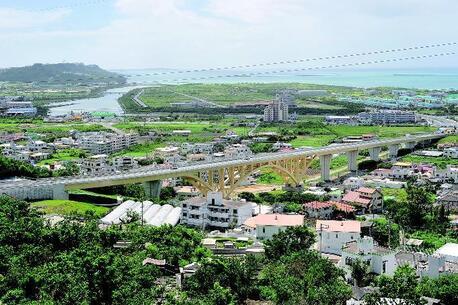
x: 337, y: 235
x: 235, y: 212
x: 384, y: 266
x: 263, y: 229
x: 213, y: 201
x: 184, y: 205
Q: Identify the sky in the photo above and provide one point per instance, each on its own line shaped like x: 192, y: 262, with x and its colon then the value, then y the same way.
x: 137, y: 34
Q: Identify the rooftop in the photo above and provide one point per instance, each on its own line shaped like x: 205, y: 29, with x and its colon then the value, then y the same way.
x: 280, y: 220
x: 338, y: 226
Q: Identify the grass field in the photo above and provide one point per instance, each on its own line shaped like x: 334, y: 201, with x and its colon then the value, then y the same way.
x: 449, y: 139
x: 140, y: 150
x: 226, y: 94
x: 440, y: 162
x: 397, y: 194
x: 67, y: 207
x: 316, y: 141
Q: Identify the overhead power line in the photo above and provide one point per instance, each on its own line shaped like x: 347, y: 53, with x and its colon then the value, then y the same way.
x: 345, y: 65
x: 295, y: 61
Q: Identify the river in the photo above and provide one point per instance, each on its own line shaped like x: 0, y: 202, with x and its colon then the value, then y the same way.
x: 108, y: 102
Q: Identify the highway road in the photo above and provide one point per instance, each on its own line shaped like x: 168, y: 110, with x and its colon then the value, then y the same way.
x: 143, y: 175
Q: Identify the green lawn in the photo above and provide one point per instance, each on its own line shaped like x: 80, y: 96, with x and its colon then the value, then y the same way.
x: 67, y: 207
x: 449, y: 139
x: 313, y: 141
x: 225, y: 94
x: 141, y: 150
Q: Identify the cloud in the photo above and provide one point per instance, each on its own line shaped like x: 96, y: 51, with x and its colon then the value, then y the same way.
x: 19, y: 19
x: 178, y: 34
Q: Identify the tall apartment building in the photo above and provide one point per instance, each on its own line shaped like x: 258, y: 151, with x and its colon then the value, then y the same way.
x: 387, y: 117
x: 277, y: 111
x: 105, y: 143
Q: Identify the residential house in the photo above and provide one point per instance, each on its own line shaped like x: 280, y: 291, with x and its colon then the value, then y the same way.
x: 334, y: 234
x: 381, y: 260
x: 319, y: 209
x: 264, y: 226
x: 449, y: 200
x: 365, y: 198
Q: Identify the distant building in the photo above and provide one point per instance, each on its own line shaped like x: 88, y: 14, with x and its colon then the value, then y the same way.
x: 10, y: 106
x: 124, y: 163
x: 387, y: 117
x: 105, y: 143
x: 365, y: 198
x: 94, y: 165
x: 265, y: 226
x: 214, y: 212
x: 451, y: 152
x: 277, y: 111
x: 339, y: 119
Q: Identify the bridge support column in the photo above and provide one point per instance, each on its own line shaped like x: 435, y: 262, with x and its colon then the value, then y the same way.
x: 152, y: 188
x: 393, y: 151
x: 59, y: 192
x: 352, y: 157
x: 325, y: 165
x: 410, y: 145
x: 374, y: 153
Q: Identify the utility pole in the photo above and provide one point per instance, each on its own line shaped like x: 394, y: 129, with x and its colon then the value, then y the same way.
x: 322, y: 226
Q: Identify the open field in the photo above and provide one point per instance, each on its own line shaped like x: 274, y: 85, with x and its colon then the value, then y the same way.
x: 440, y: 162
x: 67, y: 207
x: 226, y: 94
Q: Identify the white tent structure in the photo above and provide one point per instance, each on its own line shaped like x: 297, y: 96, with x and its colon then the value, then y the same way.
x: 153, y: 214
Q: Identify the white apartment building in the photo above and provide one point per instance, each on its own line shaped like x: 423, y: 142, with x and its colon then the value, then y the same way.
x: 214, y: 211
x: 105, y: 143
x: 94, y: 165
x: 381, y: 260
x: 124, y: 163
x: 196, y: 148
x: 387, y: 117
x: 334, y: 234
x: 238, y: 151
x: 277, y: 111
x: 39, y: 146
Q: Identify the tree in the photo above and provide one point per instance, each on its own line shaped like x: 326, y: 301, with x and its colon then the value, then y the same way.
x: 360, y: 272
x: 293, y: 239
x: 402, y: 286
x: 444, y: 288
x: 304, y: 278
x: 385, y: 233
x: 236, y: 274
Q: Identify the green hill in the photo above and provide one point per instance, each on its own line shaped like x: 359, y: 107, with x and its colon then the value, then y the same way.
x: 64, y: 73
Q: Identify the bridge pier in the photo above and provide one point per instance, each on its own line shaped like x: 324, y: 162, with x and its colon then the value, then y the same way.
x: 152, y: 188
x: 352, y: 157
x: 59, y: 192
x: 374, y: 153
x: 393, y: 151
x: 325, y: 166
